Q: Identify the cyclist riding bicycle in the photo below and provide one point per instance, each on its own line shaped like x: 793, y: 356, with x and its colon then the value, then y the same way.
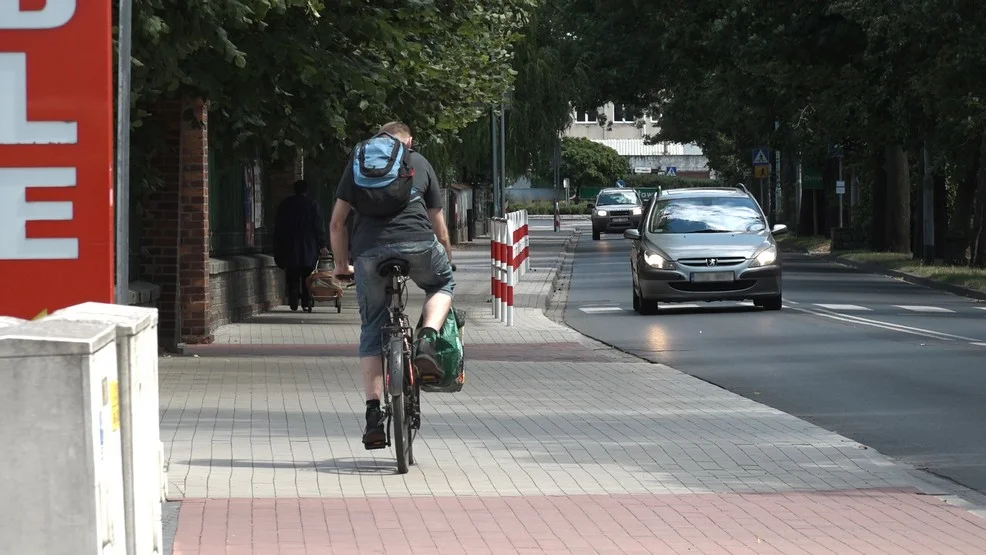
x: 397, y: 201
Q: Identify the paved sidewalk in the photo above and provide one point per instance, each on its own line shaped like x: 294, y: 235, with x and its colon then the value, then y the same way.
x: 556, y: 444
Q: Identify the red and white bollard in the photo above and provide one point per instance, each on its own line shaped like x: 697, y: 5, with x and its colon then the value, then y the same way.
x: 494, y: 266
x: 509, y: 259
x: 526, y: 252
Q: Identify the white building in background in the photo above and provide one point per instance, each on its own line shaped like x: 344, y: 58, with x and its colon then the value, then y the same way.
x: 626, y: 134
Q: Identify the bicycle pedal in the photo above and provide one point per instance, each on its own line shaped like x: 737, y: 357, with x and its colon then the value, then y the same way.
x: 375, y: 445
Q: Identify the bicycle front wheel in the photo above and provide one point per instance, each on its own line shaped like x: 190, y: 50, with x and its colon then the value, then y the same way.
x: 398, y: 403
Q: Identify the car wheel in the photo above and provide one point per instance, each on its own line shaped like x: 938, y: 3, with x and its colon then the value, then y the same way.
x: 772, y: 303
x: 642, y: 305
x: 595, y: 235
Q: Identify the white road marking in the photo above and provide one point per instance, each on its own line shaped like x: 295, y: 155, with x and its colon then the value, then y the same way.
x: 886, y: 325
x: 978, y: 344
x: 844, y: 307
x: 923, y: 308
x: 600, y: 309
x: 980, y: 307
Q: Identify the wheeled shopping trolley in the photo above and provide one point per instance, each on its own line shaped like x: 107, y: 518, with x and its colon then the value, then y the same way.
x: 322, y: 287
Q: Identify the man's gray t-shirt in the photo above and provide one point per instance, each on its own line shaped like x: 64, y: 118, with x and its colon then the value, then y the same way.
x: 412, y: 224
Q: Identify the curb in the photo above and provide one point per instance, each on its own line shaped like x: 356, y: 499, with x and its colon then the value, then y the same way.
x: 873, y: 268
x: 567, y: 249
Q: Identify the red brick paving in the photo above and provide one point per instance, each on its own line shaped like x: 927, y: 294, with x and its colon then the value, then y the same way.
x: 508, y: 352
x: 849, y: 522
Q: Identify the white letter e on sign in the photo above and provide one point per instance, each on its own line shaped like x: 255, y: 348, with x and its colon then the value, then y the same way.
x: 55, y: 14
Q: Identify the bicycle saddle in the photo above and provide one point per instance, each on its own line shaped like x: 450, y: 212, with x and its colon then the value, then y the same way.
x: 386, y: 268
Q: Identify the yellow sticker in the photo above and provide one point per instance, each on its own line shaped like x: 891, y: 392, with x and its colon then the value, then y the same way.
x: 42, y: 314
x: 115, y: 404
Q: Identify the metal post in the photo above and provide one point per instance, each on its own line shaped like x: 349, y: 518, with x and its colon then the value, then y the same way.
x: 496, y: 164
x: 503, y: 159
x: 122, y: 200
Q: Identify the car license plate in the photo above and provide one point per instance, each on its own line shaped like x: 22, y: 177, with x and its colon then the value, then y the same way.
x: 621, y: 220
x: 704, y: 277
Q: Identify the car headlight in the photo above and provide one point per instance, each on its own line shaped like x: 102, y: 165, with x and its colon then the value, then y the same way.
x: 638, y: 211
x: 765, y: 257
x: 600, y: 212
x: 655, y: 260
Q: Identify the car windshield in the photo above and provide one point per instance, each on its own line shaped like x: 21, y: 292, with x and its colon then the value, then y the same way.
x: 706, y: 215
x: 617, y: 197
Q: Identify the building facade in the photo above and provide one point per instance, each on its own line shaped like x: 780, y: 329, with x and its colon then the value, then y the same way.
x: 616, y: 127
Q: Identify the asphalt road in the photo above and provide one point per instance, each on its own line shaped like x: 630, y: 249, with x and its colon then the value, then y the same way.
x: 891, y: 365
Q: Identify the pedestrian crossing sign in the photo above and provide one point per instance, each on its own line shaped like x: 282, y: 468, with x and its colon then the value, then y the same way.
x: 760, y: 157
x: 761, y: 171
x: 672, y: 171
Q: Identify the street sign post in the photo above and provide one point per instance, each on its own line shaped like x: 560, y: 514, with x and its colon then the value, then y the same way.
x: 761, y: 170
x: 56, y: 155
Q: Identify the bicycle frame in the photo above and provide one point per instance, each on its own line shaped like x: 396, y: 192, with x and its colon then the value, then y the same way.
x: 400, y: 385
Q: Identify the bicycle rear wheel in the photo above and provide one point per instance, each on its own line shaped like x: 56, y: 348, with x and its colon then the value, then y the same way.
x: 398, y: 402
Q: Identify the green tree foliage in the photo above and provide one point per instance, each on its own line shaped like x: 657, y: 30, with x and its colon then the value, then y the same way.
x: 883, y: 78
x: 322, y: 74
x: 590, y: 164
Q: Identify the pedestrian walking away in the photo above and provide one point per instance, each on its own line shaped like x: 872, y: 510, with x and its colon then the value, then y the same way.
x: 299, y: 238
x: 395, y: 198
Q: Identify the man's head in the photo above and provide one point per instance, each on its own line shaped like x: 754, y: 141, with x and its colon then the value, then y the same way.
x: 398, y: 130
x: 300, y: 187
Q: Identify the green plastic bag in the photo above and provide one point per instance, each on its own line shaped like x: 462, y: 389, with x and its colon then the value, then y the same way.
x: 449, y: 351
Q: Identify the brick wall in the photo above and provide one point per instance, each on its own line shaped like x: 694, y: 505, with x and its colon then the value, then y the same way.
x: 242, y: 286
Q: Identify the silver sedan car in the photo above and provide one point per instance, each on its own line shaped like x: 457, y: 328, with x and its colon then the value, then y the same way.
x: 709, y: 244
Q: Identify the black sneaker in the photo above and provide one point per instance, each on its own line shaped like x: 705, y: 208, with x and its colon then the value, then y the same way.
x: 375, y: 436
x: 425, y: 358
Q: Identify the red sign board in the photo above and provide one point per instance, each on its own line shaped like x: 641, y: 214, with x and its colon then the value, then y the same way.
x: 56, y: 155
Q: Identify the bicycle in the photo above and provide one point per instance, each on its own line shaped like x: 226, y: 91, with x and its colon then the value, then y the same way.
x: 401, y: 391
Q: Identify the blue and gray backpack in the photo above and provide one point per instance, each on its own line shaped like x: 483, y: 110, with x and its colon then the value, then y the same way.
x: 383, y: 175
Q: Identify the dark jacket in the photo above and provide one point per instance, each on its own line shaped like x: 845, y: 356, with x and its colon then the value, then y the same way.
x: 299, y: 233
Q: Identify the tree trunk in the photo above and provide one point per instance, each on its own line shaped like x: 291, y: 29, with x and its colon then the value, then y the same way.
x: 898, y: 209
x: 941, y: 212
x: 789, y: 188
x: 979, y: 213
x: 878, y: 202
x: 928, y: 238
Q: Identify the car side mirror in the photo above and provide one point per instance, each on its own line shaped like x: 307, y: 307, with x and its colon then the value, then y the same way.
x: 632, y: 234
x: 779, y: 229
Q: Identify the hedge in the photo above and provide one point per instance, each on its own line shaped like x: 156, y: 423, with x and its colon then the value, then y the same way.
x: 668, y: 182
x: 543, y: 207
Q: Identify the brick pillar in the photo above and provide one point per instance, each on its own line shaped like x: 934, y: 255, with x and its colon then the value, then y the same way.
x: 159, y: 219
x: 193, y: 270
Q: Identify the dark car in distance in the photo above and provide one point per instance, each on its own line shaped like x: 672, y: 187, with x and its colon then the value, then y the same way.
x: 615, y: 211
